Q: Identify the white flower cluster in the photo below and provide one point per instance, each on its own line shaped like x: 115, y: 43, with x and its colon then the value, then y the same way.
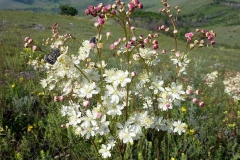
x: 210, y: 78
x: 232, y: 85
x: 181, y: 61
x: 99, y: 100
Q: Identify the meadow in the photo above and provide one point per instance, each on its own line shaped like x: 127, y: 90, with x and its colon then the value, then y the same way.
x: 31, y: 125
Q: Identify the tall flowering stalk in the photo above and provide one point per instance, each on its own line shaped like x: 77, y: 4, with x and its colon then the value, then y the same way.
x: 121, y: 105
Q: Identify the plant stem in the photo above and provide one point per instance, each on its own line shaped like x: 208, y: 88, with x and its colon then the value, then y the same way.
x: 160, y: 135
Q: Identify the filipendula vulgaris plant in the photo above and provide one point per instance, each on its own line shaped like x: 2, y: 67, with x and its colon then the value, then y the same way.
x: 125, y: 104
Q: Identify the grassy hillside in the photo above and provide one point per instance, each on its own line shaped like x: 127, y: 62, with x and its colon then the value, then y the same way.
x: 224, y: 17
x: 30, y: 120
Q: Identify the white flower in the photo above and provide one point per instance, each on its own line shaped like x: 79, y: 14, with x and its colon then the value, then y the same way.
x: 114, y: 109
x: 103, y: 126
x: 157, y: 86
x: 165, y: 103
x: 175, y: 91
x: 88, y: 90
x: 179, y: 127
x: 110, y: 75
x: 126, y: 134
x: 114, y: 93
x: 210, y: 78
x: 147, y: 102
x: 105, y: 151
x: 121, y: 78
x: 74, y: 119
x: 44, y: 83
x: 92, y: 74
x: 111, y: 141
x: 146, y: 53
x: 158, y: 123
x: 89, y: 119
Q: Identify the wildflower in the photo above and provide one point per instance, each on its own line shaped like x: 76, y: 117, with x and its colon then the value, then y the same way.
x: 21, y: 79
x: 210, y: 78
x: 13, y: 85
x: 126, y: 133
x: 191, y: 131
x: 183, y: 109
x: 88, y: 90
x: 195, y: 100
x: 179, y: 127
x: 29, y: 128
x: 201, y: 104
x: 105, y: 151
x: 232, y: 85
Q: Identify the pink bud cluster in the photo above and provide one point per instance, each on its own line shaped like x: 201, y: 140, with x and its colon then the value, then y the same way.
x: 58, y: 98
x: 195, y: 100
x: 203, y: 34
x: 29, y: 43
x: 140, y: 41
x: 55, y: 30
x: 110, y: 10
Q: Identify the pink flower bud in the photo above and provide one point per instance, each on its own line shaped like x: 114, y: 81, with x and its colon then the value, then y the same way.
x: 92, y: 45
x: 34, y: 48
x: 26, y: 39
x: 55, y: 98
x: 60, y: 98
x: 198, y: 92
x: 178, y: 54
x: 86, y: 103
x: 112, y: 46
x: 156, y: 35
x: 131, y: 6
x: 189, y: 91
x: 101, y: 21
x: 113, y: 12
x: 30, y: 40
x: 203, y: 31
x: 154, y: 42
x: 96, y: 24
x: 128, y: 46
x: 87, y: 12
x: 213, y: 42
x: 150, y: 35
x: 133, y: 73
x: 100, y: 5
x: 140, y: 6
x: 109, y: 7
x: 146, y: 40
x: 167, y: 105
x: 195, y: 100
x: 26, y: 45
x: 99, y: 115
x: 201, y: 104
x: 164, y: 51
x: 155, y: 46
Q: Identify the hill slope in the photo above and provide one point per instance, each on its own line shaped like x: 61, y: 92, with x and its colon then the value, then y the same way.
x: 220, y: 15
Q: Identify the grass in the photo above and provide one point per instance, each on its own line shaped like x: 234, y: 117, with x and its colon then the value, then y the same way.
x: 31, y: 120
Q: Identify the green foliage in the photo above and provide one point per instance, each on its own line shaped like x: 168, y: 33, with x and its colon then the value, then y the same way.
x: 68, y: 10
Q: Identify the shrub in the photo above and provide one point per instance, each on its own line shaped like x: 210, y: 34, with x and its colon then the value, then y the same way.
x: 68, y: 10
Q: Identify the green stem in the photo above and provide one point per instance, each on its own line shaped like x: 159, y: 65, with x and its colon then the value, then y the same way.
x: 82, y: 73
